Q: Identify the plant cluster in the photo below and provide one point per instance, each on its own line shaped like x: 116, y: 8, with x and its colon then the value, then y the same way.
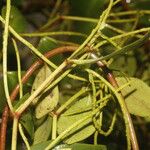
x: 87, y: 82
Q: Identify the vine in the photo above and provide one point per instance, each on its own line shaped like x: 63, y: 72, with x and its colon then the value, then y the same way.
x: 98, y: 85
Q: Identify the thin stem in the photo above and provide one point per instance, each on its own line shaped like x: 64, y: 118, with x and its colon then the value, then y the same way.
x: 56, y: 8
x: 122, y: 36
x: 131, y: 12
x: 77, y: 18
x: 121, y: 20
x: 5, y: 43
x: 19, y: 68
x: 119, y: 30
x: 110, y: 41
x: 116, y: 2
x: 49, y: 23
x: 14, y: 134
x: 4, y: 128
x: 38, y: 34
x: 54, y: 127
x: 95, y: 137
x: 53, y: 18
x: 24, y: 137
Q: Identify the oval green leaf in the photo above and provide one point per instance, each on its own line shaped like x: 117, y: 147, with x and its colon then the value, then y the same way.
x: 46, y: 44
x: 43, y: 132
x: 27, y: 121
x: 40, y: 146
x: 17, y: 20
x: 47, y: 104
x: 49, y: 98
x: 82, y: 105
x: 137, y: 96
x: 125, y: 64
x: 81, y: 132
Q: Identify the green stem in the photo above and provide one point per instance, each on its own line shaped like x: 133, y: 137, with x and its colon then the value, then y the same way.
x: 49, y: 23
x: 54, y: 127
x: 56, y: 8
x: 108, y: 132
x: 121, y: 20
x: 132, y: 12
x: 52, y: 19
x: 19, y: 68
x: 5, y: 43
x: 95, y: 137
x: 110, y: 41
x: 38, y: 34
x: 14, y: 134
x: 119, y: 30
x: 24, y: 137
x: 122, y: 36
x: 77, y: 18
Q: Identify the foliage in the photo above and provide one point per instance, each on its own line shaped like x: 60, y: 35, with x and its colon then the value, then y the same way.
x: 85, y: 74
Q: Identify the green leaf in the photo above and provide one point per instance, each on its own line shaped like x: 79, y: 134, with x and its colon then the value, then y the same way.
x: 46, y: 44
x: 40, y: 146
x: 84, y: 104
x: 144, y: 4
x: 81, y: 132
x: 12, y: 79
x: 27, y: 121
x: 47, y: 104
x: 39, y: 79
x: 79, y: 146
x: 49, y: 98
x: 17, y: 20
x: 21, y: 101
x: 43, y: 132
x: 38, y: 122
x: 92, y: 8
x: 136, y: 96
x: 125, y: 64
